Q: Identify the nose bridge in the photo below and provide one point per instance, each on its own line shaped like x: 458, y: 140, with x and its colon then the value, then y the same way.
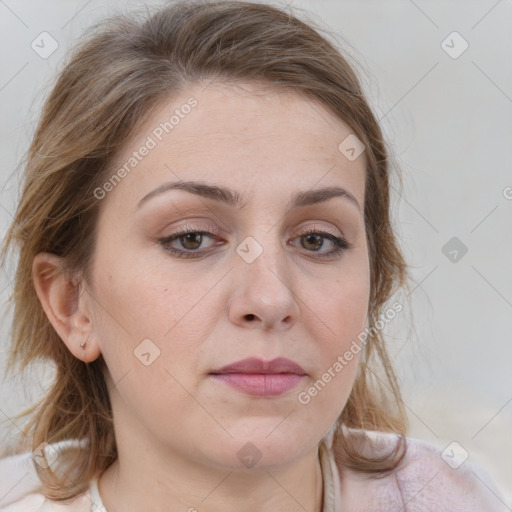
x: 265, y: 284
x: 264, y: 258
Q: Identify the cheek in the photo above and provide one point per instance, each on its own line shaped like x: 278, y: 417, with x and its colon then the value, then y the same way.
x: 342, y: 319
x: 342, y: 304
x: 147, y: 326
x: 341, y: 307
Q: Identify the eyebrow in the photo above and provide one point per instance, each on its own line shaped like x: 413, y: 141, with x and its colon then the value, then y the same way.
x: 235, y: 199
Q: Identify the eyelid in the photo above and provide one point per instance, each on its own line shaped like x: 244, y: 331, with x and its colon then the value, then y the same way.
x: 189, y: 225
x: 341, y: 244
x: 321, y: 227
x: 208, y: 225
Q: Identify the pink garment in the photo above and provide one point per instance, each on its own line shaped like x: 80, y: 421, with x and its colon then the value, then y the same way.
x: 423, y: 482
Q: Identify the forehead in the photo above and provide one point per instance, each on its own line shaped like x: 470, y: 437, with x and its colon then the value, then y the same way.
x: 251, y: 113
x: 246, y: 136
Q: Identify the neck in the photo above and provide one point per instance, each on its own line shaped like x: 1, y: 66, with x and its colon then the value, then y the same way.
x: 142, y: 480
x: 153, y: 475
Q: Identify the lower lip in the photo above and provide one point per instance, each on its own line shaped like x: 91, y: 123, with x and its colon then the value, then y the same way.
x: 259, y: 384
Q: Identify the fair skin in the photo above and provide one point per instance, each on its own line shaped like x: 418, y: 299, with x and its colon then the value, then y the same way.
x: 178, y: 429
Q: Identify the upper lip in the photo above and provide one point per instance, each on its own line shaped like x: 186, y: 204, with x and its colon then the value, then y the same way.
x: 255, y: 365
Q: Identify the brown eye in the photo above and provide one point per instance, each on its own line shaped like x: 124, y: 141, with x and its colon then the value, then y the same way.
x: 190, y: 240
x: 313, y: 240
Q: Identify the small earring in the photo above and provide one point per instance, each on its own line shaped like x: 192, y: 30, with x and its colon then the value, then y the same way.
x: 82, y: 345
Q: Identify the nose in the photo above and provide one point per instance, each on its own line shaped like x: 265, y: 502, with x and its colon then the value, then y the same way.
x: 264, y: 292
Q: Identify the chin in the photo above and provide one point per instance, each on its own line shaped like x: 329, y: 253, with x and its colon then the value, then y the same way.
x: 263, y: 451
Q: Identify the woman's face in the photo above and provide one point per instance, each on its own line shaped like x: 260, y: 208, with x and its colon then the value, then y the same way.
x: 250, y: 283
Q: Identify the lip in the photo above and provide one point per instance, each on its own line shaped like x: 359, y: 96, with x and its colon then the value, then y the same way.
x: 260, y: 378
x: 255, y: 365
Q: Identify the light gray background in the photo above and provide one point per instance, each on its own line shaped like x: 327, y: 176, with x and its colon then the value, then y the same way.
x: 449, y: 124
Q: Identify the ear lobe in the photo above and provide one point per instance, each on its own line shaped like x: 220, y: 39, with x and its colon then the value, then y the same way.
x: 64, y: 305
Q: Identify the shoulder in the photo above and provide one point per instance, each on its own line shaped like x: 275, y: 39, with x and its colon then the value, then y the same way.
x: 20, y: 486
x: 36, y: 502
x: 428, y: 478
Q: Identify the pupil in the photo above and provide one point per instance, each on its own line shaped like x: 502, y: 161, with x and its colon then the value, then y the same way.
x: 189, y: 237
x: 316, y: 237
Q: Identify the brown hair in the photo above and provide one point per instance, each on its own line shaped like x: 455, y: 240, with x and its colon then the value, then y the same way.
x: 111, y: 83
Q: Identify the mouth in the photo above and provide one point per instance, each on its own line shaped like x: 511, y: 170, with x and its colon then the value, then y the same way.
x: 259, y: 366
x: 260, y: 378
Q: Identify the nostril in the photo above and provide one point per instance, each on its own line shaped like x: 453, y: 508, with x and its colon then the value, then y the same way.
x: 249, y: 316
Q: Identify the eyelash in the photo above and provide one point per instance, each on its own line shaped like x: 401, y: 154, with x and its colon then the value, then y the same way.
x: 341, y: 243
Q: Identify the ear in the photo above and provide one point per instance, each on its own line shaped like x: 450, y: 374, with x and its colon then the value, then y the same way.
x: 66, y: 305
